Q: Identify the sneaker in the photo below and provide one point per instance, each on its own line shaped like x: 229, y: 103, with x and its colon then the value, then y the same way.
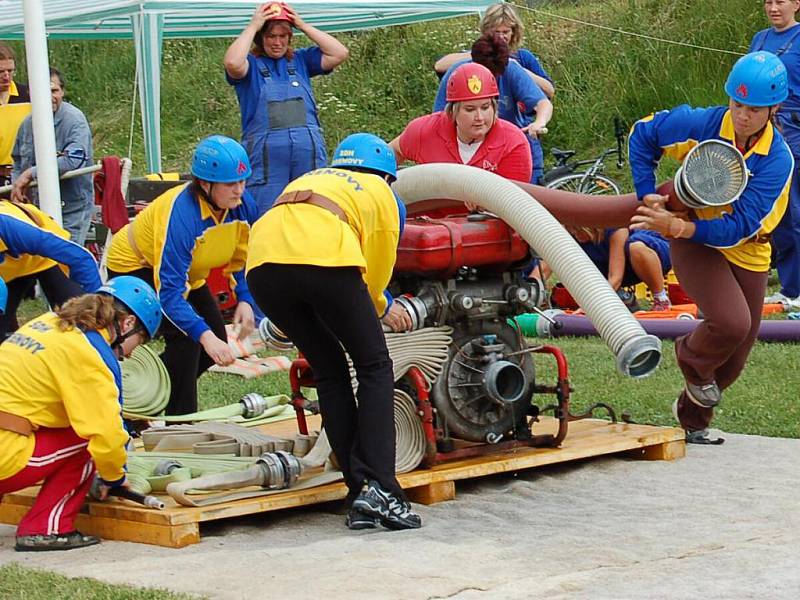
x: 706, y: 396
x: 660, y: 304
x: 787, y: 302
x: 701, y: 437
x: 56, y: 541
x: 392, y: 511
x: 357, y: 519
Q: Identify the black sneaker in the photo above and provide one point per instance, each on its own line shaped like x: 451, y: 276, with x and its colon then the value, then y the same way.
x: 392, y: 511
x: 706, y: 396
x: 55, y: 541
x: 701, y: 436
x: 357, y: 519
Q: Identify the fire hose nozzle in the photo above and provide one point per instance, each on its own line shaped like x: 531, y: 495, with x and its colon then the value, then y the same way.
x: 127, y: 494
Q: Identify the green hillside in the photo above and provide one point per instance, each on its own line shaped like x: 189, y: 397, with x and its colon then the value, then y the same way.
x: 388, y: 79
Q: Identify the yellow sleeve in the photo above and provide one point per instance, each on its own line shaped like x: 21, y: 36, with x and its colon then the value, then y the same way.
x: 380, y: 253
x: 91, y: 399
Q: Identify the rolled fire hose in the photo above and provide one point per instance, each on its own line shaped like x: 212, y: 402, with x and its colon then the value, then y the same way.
x: 145, y: 383
x: 637, y: 353
x: 411, y: 443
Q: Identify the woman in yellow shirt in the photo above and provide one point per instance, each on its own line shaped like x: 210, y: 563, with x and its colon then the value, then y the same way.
x: 60, y: 407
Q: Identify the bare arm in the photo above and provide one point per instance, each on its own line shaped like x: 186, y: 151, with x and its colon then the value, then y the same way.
x: 395, y: 145
x: 448, y: 60
x: 334, y: 52
x: 616, y: 257
x: 235, y: 60
x: 544, y: 112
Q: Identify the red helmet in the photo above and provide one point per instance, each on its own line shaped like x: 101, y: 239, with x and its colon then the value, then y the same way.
x: 471, y: 81
x: 277, y: 12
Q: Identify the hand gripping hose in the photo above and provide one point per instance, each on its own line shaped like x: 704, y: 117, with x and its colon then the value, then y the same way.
x: 637, y: 353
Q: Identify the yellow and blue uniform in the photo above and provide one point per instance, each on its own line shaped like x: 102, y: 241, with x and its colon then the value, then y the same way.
x: 61, y: 379
x: 181, y: 240
x: 308, y: 235
x: 11, y: 116
x: 32, y: 242
x: 738, y: 229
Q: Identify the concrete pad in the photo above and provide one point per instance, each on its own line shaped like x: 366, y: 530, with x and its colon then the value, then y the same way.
x: 721, y: 523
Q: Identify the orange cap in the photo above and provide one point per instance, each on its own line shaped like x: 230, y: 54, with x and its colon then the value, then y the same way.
x: 471, y: 81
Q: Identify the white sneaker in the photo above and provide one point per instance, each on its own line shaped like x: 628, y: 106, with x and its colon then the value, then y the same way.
x: 787, y: 302
x: 776, y: 298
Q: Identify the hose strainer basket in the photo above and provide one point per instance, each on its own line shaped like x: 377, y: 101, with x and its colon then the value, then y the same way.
x: 712, y: 174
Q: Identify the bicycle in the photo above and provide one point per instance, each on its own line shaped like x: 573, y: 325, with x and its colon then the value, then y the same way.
x: 569, y: 176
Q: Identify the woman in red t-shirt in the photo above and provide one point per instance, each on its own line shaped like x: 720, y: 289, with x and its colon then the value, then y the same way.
x: 468, y: 131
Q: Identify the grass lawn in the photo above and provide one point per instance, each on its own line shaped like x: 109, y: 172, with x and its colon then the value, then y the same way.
x: 21, y: 583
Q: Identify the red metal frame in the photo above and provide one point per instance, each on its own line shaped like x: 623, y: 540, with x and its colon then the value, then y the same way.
x: 300, y: 376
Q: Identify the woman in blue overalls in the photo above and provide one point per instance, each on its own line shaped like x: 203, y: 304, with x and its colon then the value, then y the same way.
x: 783, y: 40
x: 280, y: 125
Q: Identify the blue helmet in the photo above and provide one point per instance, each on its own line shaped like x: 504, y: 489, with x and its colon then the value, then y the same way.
x: 758, y: 79
x: 139, y: 297
x: 3, y: 296
x: 367, y: 151
x: 220, y: 159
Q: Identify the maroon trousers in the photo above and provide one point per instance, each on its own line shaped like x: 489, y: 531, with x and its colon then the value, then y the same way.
x: 731, y: 299
x: 62, y: 463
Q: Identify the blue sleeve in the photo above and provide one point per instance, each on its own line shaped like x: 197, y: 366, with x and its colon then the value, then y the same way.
x: 441, y: 94
x: 311, y: 57
x: 252, y: 68
x: 23, y: 238
x: 104, y: 350
x: 524, y: 91
x: 528, y: 59
x: 757, y: 40
x: 173, y: 270
x: 401, y: 213
x: 78, y: 150
x: 667, y: 131
x: 769, y: 177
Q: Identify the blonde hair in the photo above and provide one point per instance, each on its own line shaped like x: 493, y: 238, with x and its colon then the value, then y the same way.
x: 496, y: 15
x: 6, y: 53
x: 90, y: 312
x: 451, y: 109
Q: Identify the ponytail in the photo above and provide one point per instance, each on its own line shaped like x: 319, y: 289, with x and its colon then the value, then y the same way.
x: 90, y: 311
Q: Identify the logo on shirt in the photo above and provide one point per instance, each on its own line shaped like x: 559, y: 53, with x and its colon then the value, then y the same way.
x: 741, y: 91
x: 488, y: 166
x: 474, y: 84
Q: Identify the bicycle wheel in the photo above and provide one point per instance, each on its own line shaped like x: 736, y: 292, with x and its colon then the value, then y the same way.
x: 597, y: 185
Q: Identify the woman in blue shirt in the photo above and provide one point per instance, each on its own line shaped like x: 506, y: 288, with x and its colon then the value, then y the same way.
x: 783, y: 40
x: 280, y: 125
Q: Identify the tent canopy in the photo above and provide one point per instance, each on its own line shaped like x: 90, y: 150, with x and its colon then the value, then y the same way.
x: 148, y: 22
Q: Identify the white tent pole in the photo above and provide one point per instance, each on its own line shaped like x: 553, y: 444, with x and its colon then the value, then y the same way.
x: 148, y: 41
x: 43, y: 132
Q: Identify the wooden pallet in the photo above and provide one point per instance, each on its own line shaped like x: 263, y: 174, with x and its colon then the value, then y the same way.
x: 179, y: 526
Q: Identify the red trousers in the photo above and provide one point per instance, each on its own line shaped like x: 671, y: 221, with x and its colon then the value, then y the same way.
x: 62, y: 463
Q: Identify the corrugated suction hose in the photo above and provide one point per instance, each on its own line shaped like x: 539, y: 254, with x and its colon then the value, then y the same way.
x: 637, y: 353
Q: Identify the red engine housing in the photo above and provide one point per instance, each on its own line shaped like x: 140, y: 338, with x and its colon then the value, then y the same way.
x: 438, y: 247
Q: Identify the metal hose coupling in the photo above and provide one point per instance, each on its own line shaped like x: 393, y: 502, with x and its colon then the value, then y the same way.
x: 416, y: 309
x: 280, y: 469
x: 273, y: 337
x: 166, y: 467
x: 713, y: 173
x: 254, y: 405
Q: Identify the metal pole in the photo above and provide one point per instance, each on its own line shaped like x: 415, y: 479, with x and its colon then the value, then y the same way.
x: 67, y: 175
x: 43, y: 132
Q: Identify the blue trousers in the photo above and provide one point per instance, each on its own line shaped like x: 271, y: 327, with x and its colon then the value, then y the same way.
x: 786, y: 236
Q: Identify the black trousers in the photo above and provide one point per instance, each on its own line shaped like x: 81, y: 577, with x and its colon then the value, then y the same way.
x: 57, y: 288
x: 184, y: 358
x: 325, y: 311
